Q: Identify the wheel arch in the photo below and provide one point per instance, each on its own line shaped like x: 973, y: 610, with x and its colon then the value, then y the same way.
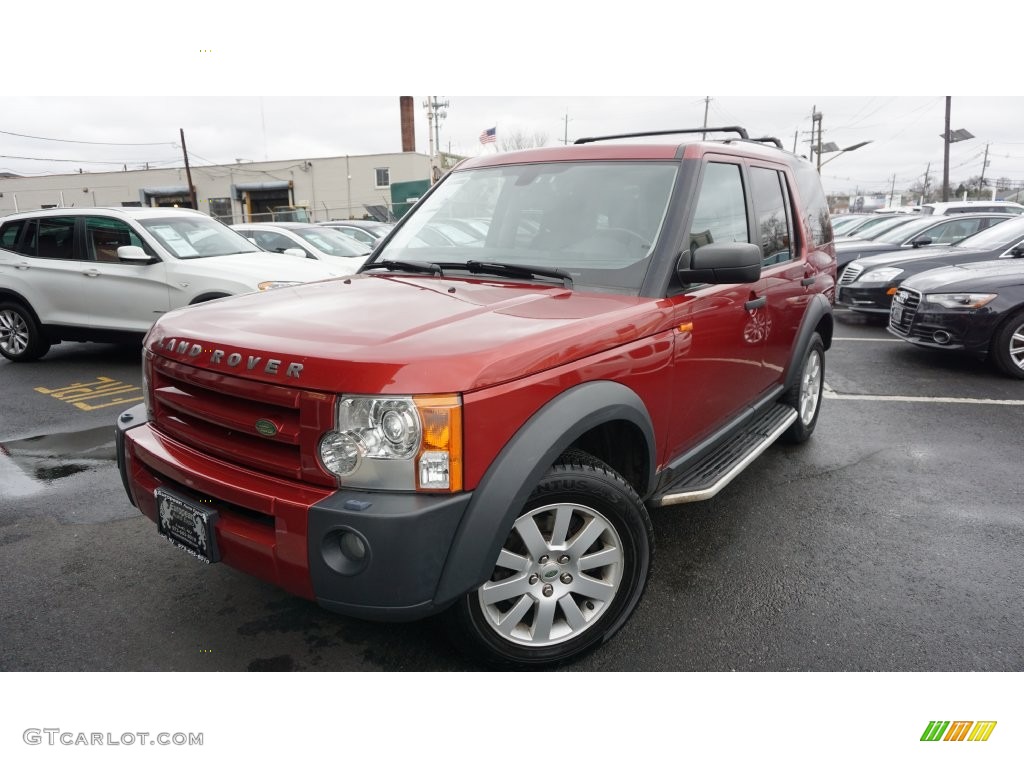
x: 6, y: 294
x: 588, y: 415
x: 209, y: 296
x: 817, y: 319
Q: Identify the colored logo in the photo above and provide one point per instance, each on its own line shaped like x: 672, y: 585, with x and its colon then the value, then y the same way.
x: 266, y: 427
x: 958, y: 730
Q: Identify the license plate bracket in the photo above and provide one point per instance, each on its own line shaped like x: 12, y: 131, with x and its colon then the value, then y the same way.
x: 187, y: 524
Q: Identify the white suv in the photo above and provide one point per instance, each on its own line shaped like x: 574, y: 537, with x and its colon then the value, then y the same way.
x: 106, y: 274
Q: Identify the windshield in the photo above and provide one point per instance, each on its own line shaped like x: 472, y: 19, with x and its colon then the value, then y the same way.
x: 331, y: 242
x: 1001, y: 235
x: 194, y: 237
x: 597, y: 220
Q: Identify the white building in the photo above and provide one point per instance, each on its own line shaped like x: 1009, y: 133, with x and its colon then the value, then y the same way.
x: 330, y: 187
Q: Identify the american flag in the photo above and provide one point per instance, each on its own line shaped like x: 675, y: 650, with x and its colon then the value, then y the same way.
x: 488, y: 136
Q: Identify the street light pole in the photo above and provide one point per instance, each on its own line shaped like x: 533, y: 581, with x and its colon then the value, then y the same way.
x: 945, y: 155
x: 841, y: 151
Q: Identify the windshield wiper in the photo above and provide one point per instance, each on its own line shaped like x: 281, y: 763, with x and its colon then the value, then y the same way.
x: 429, y: 268
x: 518, y: 270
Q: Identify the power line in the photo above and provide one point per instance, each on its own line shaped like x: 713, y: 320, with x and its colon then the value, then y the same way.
x: 105, y: 143
x: 94, y: 162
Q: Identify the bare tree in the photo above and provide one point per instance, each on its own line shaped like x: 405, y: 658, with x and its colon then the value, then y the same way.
x: 520, y: 139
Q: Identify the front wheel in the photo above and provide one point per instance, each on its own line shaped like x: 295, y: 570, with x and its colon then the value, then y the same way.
x: 569, y: 574
x: 805, y: 394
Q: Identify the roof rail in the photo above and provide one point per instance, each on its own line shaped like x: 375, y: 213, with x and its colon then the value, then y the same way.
x: 729, y: 128
x: 770, y: 140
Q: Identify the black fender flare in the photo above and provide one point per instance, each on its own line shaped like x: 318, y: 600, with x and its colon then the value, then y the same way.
x: 818, y: 308
x: 517, y: 470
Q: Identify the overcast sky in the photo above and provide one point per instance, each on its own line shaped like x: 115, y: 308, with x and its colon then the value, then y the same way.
x: 269, y: 84
x: 905, y: 131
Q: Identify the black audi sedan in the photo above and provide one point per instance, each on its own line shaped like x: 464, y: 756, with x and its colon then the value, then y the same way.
x: 869, y: 283
x: 974, y: 308
x: 917, y: 232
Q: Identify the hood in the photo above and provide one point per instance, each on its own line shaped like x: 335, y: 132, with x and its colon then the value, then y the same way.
x: 400, y: 334
x: 981, y: 277
x: 893, y: 255
x: 260, y: 266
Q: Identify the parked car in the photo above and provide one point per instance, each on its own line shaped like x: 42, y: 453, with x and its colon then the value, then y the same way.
x: 137, y: 264
x: 873, y: 226
x: 480, y: 431
x: 869, y: 283
x: 367, y: 232
x: 973, y: 308
x: 917, y: 233
x: 316, y: 242
x: 844, y: 225
x: 972, y: 206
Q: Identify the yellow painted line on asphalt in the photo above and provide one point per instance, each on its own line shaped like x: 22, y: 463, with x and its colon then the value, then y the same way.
x: 831, y: 394
x: 106, y: 392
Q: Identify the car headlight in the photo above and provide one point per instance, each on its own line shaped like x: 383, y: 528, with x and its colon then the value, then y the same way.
x: 882, y: 275
x: 266, y: 285
x: 960, y: 300
x: 403, y: 443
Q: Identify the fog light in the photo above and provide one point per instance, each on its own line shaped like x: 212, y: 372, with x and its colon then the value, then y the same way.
x: 352, y: 546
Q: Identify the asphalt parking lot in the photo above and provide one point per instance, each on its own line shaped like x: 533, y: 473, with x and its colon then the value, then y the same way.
x: 891, y: 541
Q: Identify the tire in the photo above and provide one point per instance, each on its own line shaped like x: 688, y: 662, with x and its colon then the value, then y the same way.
x: 575, y: 584
x: 1008, y: 347
x: 21, y: 338
x: 805, y: 394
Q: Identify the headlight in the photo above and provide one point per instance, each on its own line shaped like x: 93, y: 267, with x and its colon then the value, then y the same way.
x: 960, y: 300
x: 396, y: 443
x: 882, y: 275
x: 266, y: 285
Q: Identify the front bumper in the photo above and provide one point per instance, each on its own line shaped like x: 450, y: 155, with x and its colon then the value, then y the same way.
x: 872, y: 297
x: 958, y: 330
x: 294, y: 535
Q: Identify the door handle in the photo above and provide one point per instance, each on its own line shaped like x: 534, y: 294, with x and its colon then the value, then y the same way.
x: 755, y: 303
x: 91, y: 273
x: 808, y: 280
x: 22, y: 265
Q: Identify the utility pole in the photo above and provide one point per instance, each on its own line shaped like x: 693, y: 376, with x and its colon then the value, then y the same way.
x: 945, y: 154
x: 565, y: 140
x: 892, y: 190
x: 796, y: 135
x: 984, y: 165
x: 436, y: 112
x: 816, y: 120
x: 924, y: 188
x: 188, y: 172
x: 707, y: 103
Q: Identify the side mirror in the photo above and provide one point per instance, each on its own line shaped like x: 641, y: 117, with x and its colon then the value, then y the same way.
x: 294, y: 252
x: 917, y: 243
x: 720, y: 263
x: 133, y: 253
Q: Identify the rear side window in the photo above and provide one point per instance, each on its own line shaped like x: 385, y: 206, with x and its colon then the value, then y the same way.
x: 721, y: 214
x: 54, y: 238
x: 815, y: 205
x: 772, y: 208
x: 10, y: 232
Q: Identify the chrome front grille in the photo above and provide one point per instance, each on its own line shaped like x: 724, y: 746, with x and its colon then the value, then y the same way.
x: 851, y: 273
x: 903, y: 310
x: 268, y: 428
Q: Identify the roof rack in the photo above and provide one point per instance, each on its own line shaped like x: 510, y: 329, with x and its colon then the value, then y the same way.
x: 730, y: 129
x: 770, y: 140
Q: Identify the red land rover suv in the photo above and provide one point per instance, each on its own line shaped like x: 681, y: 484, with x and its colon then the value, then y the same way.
x: 548, y: 344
